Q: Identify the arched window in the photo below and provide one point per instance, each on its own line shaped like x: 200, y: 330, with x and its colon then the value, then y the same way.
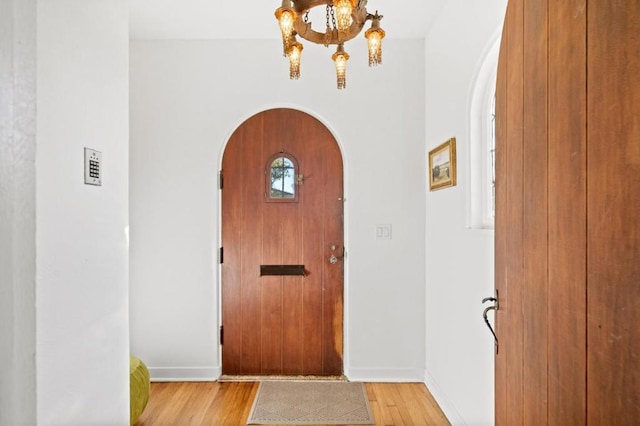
x: 483, y: 148
x: 281, y: 179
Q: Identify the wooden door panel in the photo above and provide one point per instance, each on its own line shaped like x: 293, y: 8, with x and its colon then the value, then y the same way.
x: 501, y: 323
x: 282, y: 300
x: 250, y: 307
x: 333, y: 311
x: 282, y: 322
x: 613, y: 239
x: 292, y: 310
x: 271, y: 310
x: 510, y: 219
x: 535, y: 281
x: 232, y: 254
x: 567, y: 213
x: 314, y: 249
x: 567, y: 237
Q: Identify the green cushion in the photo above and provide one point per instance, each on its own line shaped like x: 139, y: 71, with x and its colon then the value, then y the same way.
x: 139, y: 386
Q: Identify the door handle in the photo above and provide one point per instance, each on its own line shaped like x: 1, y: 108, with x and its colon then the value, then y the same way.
x: 493, y: 307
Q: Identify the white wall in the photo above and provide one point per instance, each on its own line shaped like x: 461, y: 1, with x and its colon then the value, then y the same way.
x: 459, y: 267
x: 187, y: 97
x: 82, y: 298
x: 17, y: 212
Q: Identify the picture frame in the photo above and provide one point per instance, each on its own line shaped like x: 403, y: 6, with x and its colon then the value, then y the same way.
x: 442, y: 166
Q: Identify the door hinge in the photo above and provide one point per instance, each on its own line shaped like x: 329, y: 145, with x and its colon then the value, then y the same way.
x: 220, y: 179
x: 221, y: 255
x: 222, y: 334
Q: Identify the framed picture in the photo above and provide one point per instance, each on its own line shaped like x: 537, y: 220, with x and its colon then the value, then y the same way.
x: 442, y: 166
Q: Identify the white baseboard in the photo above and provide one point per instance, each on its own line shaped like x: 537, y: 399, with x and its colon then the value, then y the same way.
x: 447, y: 407
x: 384, y: 375
x: 184, y: 374
x: 209, y: 374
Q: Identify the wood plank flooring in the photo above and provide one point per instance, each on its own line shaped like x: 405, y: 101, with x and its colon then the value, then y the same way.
x: 216, y: 403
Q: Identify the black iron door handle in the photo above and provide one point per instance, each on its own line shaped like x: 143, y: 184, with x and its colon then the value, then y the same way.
x: 493, y: 307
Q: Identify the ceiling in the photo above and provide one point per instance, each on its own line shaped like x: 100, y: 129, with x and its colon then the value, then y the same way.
x: 254, y: 19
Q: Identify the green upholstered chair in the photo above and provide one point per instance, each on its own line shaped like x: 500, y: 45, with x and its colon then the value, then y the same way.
x: 139, y: 387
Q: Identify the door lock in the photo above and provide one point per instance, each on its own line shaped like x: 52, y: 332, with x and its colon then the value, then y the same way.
x: 333, y: 259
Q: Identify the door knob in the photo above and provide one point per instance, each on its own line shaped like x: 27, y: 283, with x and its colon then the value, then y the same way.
x: 333, y: 259
x: 493, y: 307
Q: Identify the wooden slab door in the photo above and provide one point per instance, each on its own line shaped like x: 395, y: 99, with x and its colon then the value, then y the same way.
x: 568, y: 213
x: 283, y: 246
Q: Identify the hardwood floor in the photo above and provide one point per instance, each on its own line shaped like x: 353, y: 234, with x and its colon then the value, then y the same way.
x: 216, y: 403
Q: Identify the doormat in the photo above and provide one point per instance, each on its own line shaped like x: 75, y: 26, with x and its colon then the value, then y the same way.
x: 311, y: 403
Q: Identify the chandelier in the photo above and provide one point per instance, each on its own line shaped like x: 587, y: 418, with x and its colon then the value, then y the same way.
x: 344, y: 21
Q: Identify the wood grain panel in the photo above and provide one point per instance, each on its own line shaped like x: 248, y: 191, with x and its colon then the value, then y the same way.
x: 333, y: 284
x: 293, y: 333
x: 275, y: 139
x: 231, y: 231
x: 613, y: 200
x: 512, y: 302
x: 535, y: 279
x: 251, y: 246
x: 292, y: 302
x: 567, y: 213
x: 501, y: 229
x: 581, y: 338
x: 314, y: 250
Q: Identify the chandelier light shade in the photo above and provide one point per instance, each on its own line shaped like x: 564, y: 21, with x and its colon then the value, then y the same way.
x: 294, y: 53
x: 374, y: 36
x: 286, y: 17
x: 343, y: 11
x: 340, y: 58
x: 345, y: 19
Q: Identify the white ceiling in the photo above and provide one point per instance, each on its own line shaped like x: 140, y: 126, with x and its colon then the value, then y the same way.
x: 254, y: 19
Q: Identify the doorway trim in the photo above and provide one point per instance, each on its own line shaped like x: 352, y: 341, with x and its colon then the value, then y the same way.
x: 218, y: 241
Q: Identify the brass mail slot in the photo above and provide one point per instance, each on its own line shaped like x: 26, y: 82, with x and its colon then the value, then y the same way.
x: 266, y: 270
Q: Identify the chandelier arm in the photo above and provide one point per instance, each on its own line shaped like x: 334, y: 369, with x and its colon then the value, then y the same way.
x: 304, y: 30
x: 301, y: 6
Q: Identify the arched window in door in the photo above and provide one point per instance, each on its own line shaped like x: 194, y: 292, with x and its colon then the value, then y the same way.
x: 281, y: 179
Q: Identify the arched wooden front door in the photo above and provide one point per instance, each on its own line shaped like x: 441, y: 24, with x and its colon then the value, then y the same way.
x: 283, y: 243
x: 568, y: 213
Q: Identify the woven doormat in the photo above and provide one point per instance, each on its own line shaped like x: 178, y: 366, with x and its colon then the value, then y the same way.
x: 311, y: 403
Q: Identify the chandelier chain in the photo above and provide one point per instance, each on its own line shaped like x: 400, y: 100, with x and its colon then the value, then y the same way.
x: 333, y: 17
x: 327, y: 32
x: 306, y: 17
x: 328, y: 16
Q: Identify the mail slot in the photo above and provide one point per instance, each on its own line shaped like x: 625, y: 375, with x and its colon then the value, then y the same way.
x: 287, y: 270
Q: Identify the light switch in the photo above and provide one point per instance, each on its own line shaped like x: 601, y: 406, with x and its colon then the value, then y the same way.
x: 383, y: 232
x: 92, y: 167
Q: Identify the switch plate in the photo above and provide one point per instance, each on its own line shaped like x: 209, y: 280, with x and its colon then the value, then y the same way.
x: 92, y: 167
x: 383, y: 232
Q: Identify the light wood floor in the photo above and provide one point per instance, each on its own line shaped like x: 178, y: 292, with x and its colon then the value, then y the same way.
x: 215, y: 403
